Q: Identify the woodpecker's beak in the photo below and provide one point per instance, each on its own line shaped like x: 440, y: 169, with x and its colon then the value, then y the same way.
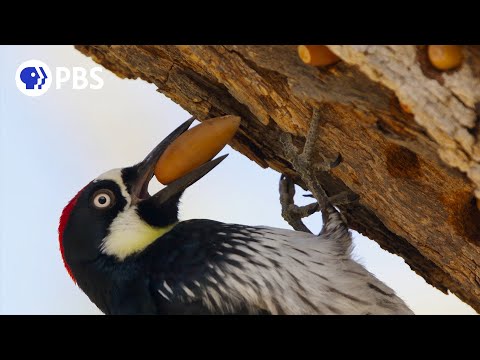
x: 142, y: 173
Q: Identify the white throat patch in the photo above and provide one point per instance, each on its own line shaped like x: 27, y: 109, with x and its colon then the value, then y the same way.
x: 129, y: 234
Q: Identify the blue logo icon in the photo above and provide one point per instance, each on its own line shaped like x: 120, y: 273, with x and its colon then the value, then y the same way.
x: 33, y: 78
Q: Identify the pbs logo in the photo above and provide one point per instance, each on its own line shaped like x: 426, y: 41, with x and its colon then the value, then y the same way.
x: 33, y: 78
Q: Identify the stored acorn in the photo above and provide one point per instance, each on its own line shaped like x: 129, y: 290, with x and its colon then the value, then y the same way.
x: 317, y: 55
x: 445, y: 57
x: 195, y: 147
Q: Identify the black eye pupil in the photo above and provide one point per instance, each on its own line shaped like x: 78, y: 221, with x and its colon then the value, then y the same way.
x: 102, y: 200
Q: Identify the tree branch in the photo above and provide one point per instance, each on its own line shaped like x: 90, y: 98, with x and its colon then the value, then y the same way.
x: 415, y: 174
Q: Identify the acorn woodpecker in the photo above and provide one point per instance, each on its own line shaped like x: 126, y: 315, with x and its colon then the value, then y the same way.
x: 130, y: 254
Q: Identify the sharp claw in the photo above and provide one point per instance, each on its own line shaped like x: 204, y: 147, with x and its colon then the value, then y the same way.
x: 336, y: 162
x: 343, y: 198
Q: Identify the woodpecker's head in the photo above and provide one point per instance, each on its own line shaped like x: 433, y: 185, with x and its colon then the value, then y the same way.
x: 115, y: 215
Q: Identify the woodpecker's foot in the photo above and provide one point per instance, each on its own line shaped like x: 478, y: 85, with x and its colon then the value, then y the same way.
x: 302, y: 162
x: 343, y: 198
x: 303, y: 159
x: 292, y: 213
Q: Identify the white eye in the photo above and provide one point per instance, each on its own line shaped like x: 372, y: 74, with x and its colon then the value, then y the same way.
x: 103, y: 199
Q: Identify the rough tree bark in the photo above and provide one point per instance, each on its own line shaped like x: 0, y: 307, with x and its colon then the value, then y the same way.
x: 417, y: 173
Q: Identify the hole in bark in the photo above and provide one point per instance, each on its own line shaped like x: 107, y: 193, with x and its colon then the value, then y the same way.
x: 402, y: 162
x: 427, y: 68
x: 464, y: 216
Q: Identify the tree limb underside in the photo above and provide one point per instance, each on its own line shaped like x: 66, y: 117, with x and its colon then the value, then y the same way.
x: 416, y: 173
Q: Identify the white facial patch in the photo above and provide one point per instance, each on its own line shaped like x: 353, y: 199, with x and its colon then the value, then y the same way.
x: 129, y: 234
x: 116, y: 176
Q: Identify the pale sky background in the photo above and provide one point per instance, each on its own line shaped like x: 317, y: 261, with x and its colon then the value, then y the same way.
x: 53, y: 145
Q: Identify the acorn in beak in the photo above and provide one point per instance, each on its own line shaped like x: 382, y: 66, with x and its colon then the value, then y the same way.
x: 182, y: 158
